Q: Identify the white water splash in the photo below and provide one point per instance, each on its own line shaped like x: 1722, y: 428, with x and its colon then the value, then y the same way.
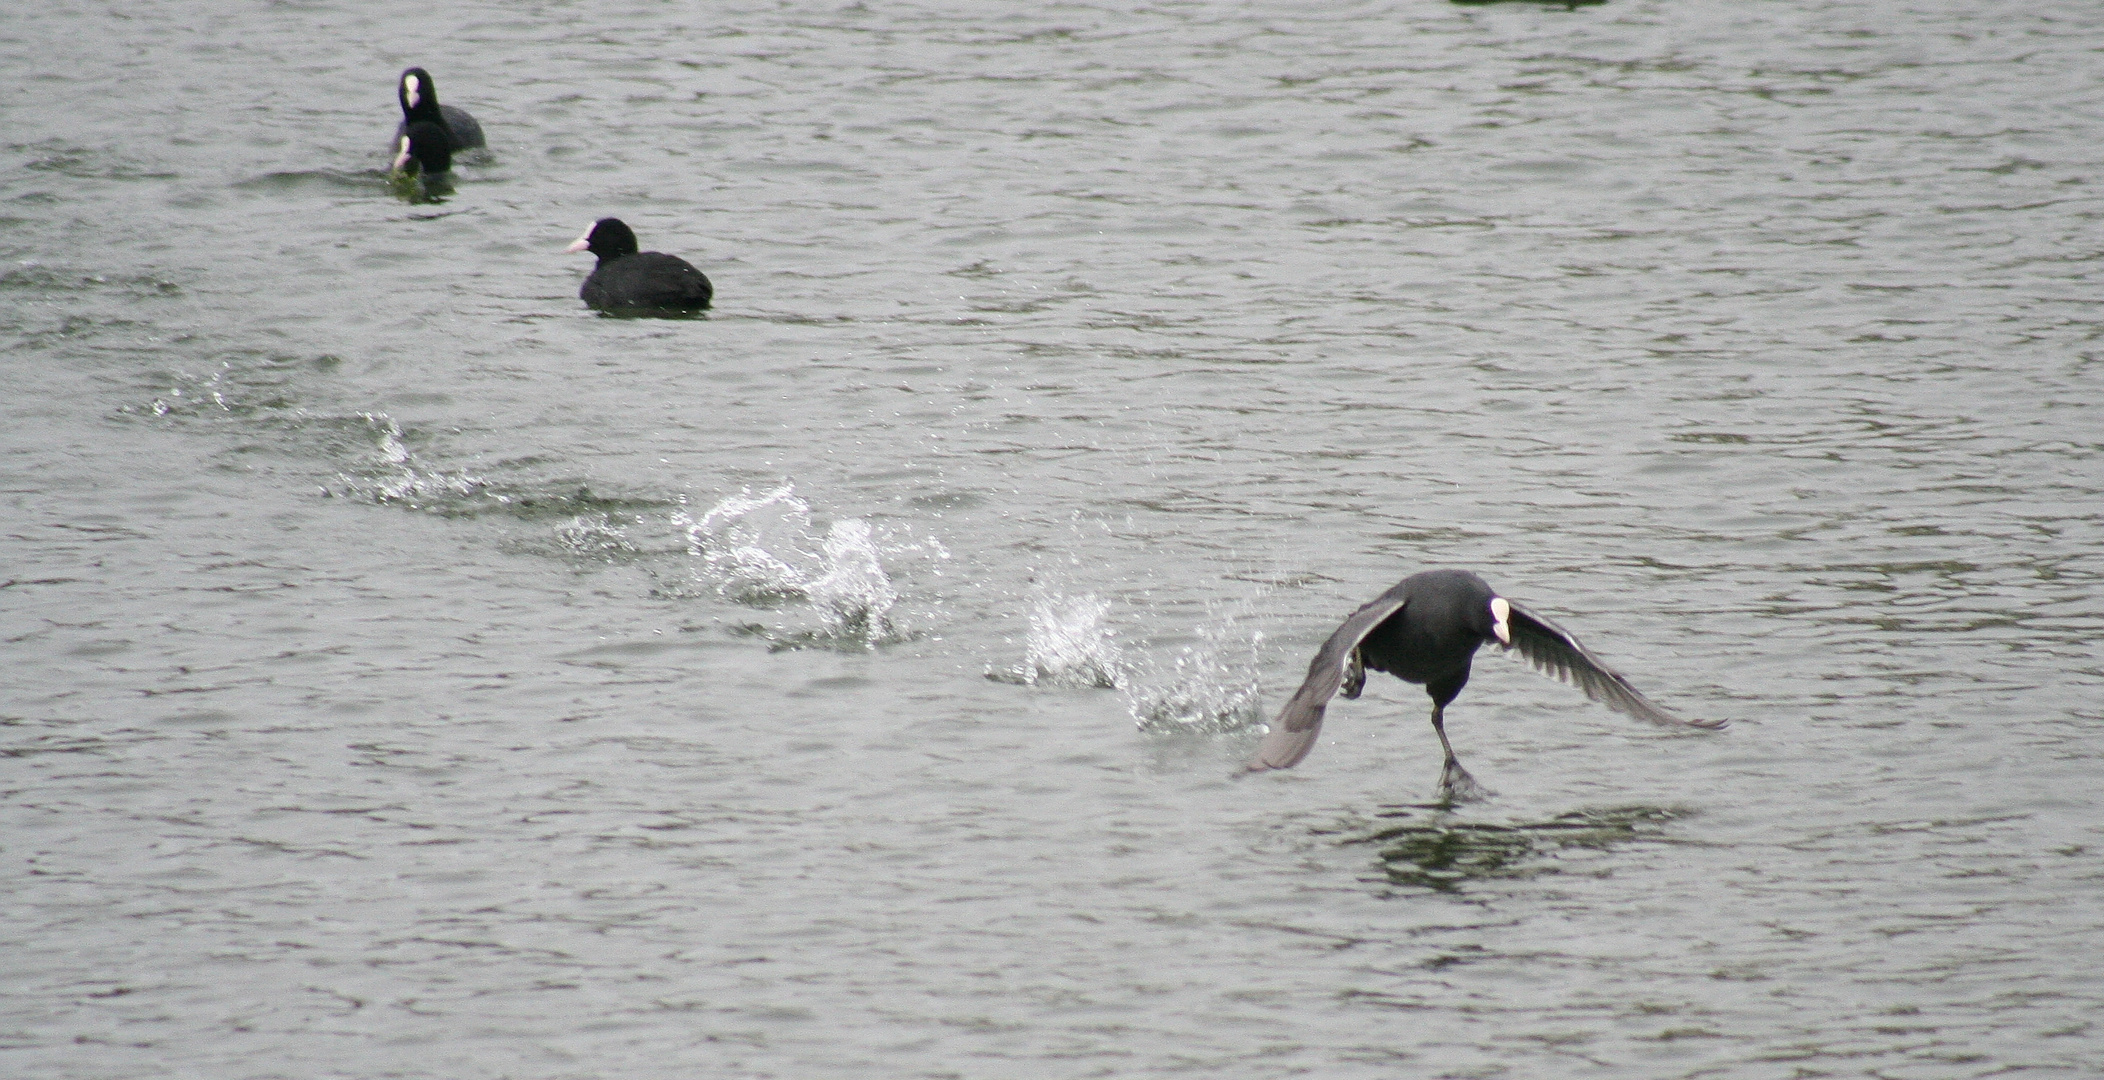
x: 853, y: 594
x: 764, y: 551
x: 1071, y: 643
x: 399, y: 477
x: 1206, y: 688
x: 595, y: 536
x: 737, y: 541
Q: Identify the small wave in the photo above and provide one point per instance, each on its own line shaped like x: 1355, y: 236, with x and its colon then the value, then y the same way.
x: 1071, y: 643
x: 33, y: 276
x: 333, y: 179
x: 259, y: 389
x: 257, y: 392
x: 765, y: 551
x: 389, y: 472
x: 201, y: 401
x: 598, y: 537
x: 87, y: 163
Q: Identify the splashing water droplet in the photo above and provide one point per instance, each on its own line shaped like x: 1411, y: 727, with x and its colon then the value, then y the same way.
x: 1206, y: 688
x: 1071, y: 644
x: 400, y: 477
x: 763, y: 551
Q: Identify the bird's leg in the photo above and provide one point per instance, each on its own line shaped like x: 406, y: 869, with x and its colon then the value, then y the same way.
x: 1455, y: 784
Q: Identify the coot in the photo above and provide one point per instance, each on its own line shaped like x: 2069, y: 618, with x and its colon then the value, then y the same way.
x: 422, y: 165
x: 628, y: 281
x: 425, y: 146
x: 420, y: 102
x: 1426, y: 630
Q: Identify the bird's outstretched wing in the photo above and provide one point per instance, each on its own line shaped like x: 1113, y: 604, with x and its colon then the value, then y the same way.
x: 1293, y: 733
x: 1553, y: 651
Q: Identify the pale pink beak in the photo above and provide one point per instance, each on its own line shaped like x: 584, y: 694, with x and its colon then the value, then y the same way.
x: 580, y: 244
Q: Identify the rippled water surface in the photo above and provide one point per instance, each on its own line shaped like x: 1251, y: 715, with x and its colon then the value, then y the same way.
x: 412, y: 674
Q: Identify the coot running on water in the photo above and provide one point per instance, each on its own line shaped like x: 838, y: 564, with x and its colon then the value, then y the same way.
x: 420, y: 102
x: 1426, y: 630
x: 628, y: 281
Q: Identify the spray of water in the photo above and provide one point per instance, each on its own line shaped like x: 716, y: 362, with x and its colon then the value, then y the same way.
x: 397, y: 476
x: 764, y: 550
x: 1071, y: 644
x: 1209, y: 687
x: 595, y: 536
x: 1203, y: 688
x: 852, y: 592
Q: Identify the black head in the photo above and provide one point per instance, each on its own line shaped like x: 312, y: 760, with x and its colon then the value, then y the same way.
x: 1457, y: 599
x: 608, y: 238
x: 427, y: 146
x: 419, y: 98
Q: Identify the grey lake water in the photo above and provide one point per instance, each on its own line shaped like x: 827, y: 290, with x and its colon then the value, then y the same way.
x: 409, y: 673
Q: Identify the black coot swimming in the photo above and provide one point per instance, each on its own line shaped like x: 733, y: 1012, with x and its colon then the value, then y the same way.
x: 423, y: 144
x: 420, y: 102
x: 1426, y: 630
x: 628, y: 281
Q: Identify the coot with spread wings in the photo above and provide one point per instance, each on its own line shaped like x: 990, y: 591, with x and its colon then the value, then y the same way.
x: 1426, y: 630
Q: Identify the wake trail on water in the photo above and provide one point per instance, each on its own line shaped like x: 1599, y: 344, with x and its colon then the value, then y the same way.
x: 767, y: 549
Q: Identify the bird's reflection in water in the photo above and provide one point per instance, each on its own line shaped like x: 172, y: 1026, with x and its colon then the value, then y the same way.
x: 1431, y: 849
x: 417, y: 188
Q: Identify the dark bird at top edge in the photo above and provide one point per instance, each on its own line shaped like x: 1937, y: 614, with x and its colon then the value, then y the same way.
x: 631, y: 282
x: 419, y: 98
x: 1426, y: 630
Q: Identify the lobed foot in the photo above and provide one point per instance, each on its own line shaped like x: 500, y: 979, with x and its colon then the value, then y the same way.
x: 1457, y: 786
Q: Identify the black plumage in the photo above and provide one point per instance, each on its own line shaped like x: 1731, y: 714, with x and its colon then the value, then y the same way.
x: 628, y: 281
x: 1426, y: 630
x: 419, y: 98
x: 424, y: 145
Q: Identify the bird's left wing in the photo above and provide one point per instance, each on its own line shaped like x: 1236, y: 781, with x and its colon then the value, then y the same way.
x: 1553, y: 651
x: 1293, y: 733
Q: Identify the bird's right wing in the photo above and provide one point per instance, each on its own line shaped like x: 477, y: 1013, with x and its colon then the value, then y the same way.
x: 1336, y: 663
